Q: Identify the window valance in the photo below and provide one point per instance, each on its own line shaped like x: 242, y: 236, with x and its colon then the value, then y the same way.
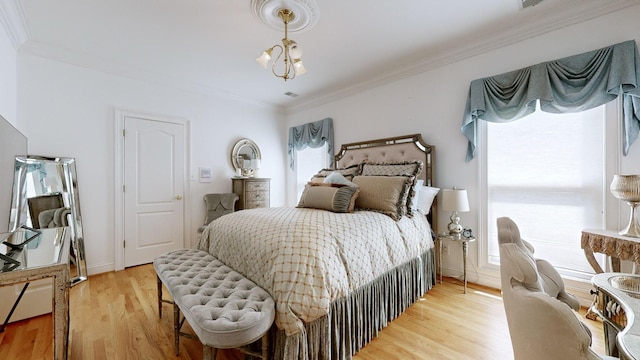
x: 571, y: 84
x: 312, y: 135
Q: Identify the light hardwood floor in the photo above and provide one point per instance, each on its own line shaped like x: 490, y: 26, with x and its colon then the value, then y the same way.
x: 114, y: 316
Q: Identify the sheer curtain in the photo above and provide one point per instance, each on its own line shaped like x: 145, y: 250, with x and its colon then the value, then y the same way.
x: 313, y: 135
x: 547, y: 173
x: 571, y: 84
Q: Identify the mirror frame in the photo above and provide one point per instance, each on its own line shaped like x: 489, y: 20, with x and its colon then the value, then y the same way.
x: 235, y: 152
x: 67, y: 170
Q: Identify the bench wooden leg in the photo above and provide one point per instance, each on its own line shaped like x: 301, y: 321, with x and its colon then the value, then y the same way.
x: 265, y: 346
x: 176, y: 327
x: 159, y: 296
x: 209, y: 353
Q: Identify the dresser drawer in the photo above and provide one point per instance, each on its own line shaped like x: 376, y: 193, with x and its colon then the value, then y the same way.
x: 257, y: 196
x: 257, y: 186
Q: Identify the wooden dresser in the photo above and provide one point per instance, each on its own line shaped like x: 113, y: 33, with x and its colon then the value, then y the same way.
x: 253, y: 192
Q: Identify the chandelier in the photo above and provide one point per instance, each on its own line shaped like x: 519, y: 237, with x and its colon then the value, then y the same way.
x: 289, y: 51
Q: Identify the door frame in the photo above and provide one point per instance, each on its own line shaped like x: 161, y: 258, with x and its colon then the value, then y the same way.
x: 120, y: 116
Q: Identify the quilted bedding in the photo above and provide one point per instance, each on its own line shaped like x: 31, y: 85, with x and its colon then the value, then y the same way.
x: 307, y: 258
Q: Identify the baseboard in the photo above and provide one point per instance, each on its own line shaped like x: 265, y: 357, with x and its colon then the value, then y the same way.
x: 94, y: 270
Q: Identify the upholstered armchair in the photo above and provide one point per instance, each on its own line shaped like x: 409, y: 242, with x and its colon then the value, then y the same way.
x: 218, y: 205
x: 47, y: 204
x: 539, y: 312
x: 54, y: 217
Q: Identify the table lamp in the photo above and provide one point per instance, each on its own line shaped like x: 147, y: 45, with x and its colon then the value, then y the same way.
x: 455, y: 200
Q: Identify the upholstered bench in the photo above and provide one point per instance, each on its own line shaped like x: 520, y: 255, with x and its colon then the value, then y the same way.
x: 224, y: 309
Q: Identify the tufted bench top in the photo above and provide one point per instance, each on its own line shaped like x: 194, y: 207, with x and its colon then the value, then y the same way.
x: 224, y: 309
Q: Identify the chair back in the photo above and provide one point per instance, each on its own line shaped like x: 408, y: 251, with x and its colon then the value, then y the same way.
x: 541, y: 324
x: 217, y: 206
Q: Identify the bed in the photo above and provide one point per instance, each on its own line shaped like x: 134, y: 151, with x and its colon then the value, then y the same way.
x: 338, y: 277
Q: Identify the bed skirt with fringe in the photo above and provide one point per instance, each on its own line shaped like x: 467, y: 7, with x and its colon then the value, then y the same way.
x: 355, y: 320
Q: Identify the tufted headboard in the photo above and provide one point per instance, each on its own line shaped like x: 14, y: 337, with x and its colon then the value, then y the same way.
x: 393, y: 149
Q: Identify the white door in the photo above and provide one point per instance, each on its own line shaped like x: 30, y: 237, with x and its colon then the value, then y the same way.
x: 154, y: 176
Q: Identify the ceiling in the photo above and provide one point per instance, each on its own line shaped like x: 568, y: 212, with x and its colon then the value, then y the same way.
x: 210, y: 46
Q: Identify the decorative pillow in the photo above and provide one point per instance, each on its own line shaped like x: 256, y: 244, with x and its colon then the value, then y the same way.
x: 414, y: 201
x: 413, y: 168
x: 425, y: 198
x: 333, y: 197
x: 348, y: 172
x: 384, y: 194
x: 337, y: 178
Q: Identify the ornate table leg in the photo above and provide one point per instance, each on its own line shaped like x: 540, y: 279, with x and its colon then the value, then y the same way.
x: 615, y: 264
x: 60, y: 315
x: 465, y: 250
x: 592, y: 260
x: 440, y: 259
x: 594, y: 264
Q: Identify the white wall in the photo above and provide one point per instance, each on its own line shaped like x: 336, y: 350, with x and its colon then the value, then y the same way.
x: 8, y: 81
x: 67, y: 110
x: 432, y: 103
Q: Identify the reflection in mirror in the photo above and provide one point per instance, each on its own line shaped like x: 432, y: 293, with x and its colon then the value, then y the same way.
x: 45, y: 195
x: 246, y: 158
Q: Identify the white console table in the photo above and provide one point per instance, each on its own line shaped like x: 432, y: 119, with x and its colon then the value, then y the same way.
x: 28, y: 256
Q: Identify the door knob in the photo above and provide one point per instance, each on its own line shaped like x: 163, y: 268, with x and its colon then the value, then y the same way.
x: 178, y: 197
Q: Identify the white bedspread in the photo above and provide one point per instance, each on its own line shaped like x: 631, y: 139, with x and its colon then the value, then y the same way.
x: 307, y: 258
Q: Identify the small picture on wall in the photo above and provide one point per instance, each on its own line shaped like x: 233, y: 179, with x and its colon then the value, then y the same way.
x: 205, y: 175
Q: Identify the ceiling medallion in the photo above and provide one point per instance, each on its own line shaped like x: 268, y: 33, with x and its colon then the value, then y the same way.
x: 306, y: 13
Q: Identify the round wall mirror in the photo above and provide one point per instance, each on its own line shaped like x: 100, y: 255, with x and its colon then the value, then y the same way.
x: 246, y: 158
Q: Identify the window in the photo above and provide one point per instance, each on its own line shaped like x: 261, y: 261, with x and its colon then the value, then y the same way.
x: 547, y: 173
x: 308, y: 162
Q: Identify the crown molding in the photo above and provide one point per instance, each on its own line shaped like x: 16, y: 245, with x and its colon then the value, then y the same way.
x: 566, y: 14
x: 14, y: 22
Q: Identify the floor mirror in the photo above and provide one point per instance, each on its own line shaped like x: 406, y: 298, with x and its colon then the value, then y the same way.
x: 45, y: 195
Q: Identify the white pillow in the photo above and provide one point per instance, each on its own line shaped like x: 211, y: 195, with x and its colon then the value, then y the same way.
x: 337, y: 178
x: 425, y: 198
x: 414, y: 199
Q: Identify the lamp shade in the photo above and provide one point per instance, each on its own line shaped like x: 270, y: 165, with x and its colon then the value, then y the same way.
x: 264, y: 58
x: 455, y: 200
x: 298, y: 67
x: 294, y: 50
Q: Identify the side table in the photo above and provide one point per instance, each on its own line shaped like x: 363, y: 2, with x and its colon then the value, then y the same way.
x: 465, y: 250
x: 27, y: 258
x: 612, y: 244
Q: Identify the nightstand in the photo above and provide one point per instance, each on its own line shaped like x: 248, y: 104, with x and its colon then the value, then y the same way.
x: 465, y: 250
x: 252, y: 192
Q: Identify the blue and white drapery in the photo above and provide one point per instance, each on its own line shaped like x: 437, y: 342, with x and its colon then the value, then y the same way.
x: 313, y: 135
x: 571, y: 84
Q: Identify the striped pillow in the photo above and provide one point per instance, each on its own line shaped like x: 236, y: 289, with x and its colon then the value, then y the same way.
x: 333, y: 197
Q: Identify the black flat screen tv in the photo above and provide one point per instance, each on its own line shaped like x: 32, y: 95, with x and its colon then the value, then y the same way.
x: 12, y: 144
